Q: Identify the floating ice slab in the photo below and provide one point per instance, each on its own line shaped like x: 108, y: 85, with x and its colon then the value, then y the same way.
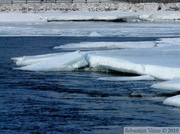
x: 109, y: 45
x: 168, y: 85
x: 173, y: 101
x: 28, y: 60
x: 66, y: 62
x: 157, y: 62
x: 135, y: 78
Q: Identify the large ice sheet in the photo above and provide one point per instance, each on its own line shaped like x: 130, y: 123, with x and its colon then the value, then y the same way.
x: 157, y: 62
x: 168, y: 85
x: 108, y: 45
x: 173, y: 101
x: 107, y: 29
x: 66, y: 62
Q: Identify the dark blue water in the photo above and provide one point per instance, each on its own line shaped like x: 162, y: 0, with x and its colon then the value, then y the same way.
x: 73, y: 102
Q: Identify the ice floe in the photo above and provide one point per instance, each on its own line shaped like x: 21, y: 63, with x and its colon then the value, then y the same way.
x: 173, y: 101
x: 132, y: 78
x: 28, y: 60
x: 169, y: 85
x: 65, y: 62
x: 109, y: 45
x: 152, y: 61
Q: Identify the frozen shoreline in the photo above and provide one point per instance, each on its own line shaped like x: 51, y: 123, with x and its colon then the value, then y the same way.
x: 122, y: 12
x: 120, y: 6
x: 114, y: 16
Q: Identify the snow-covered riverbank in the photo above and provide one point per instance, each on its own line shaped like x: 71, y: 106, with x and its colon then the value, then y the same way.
x: 118, y: 16
x: 125, y: 12
x: 138, y: 7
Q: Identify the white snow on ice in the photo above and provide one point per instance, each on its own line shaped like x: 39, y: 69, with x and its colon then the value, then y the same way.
x: 173, y: 84
x: 65, y: 62
x: 173, y: 101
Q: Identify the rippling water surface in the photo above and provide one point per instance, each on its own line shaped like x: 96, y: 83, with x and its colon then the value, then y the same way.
x: 73, y: 102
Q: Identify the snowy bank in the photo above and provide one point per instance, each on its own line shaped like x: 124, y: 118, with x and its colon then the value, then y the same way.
x: 115, y: 16
x: 111, y: 6
x: 123, y: 12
